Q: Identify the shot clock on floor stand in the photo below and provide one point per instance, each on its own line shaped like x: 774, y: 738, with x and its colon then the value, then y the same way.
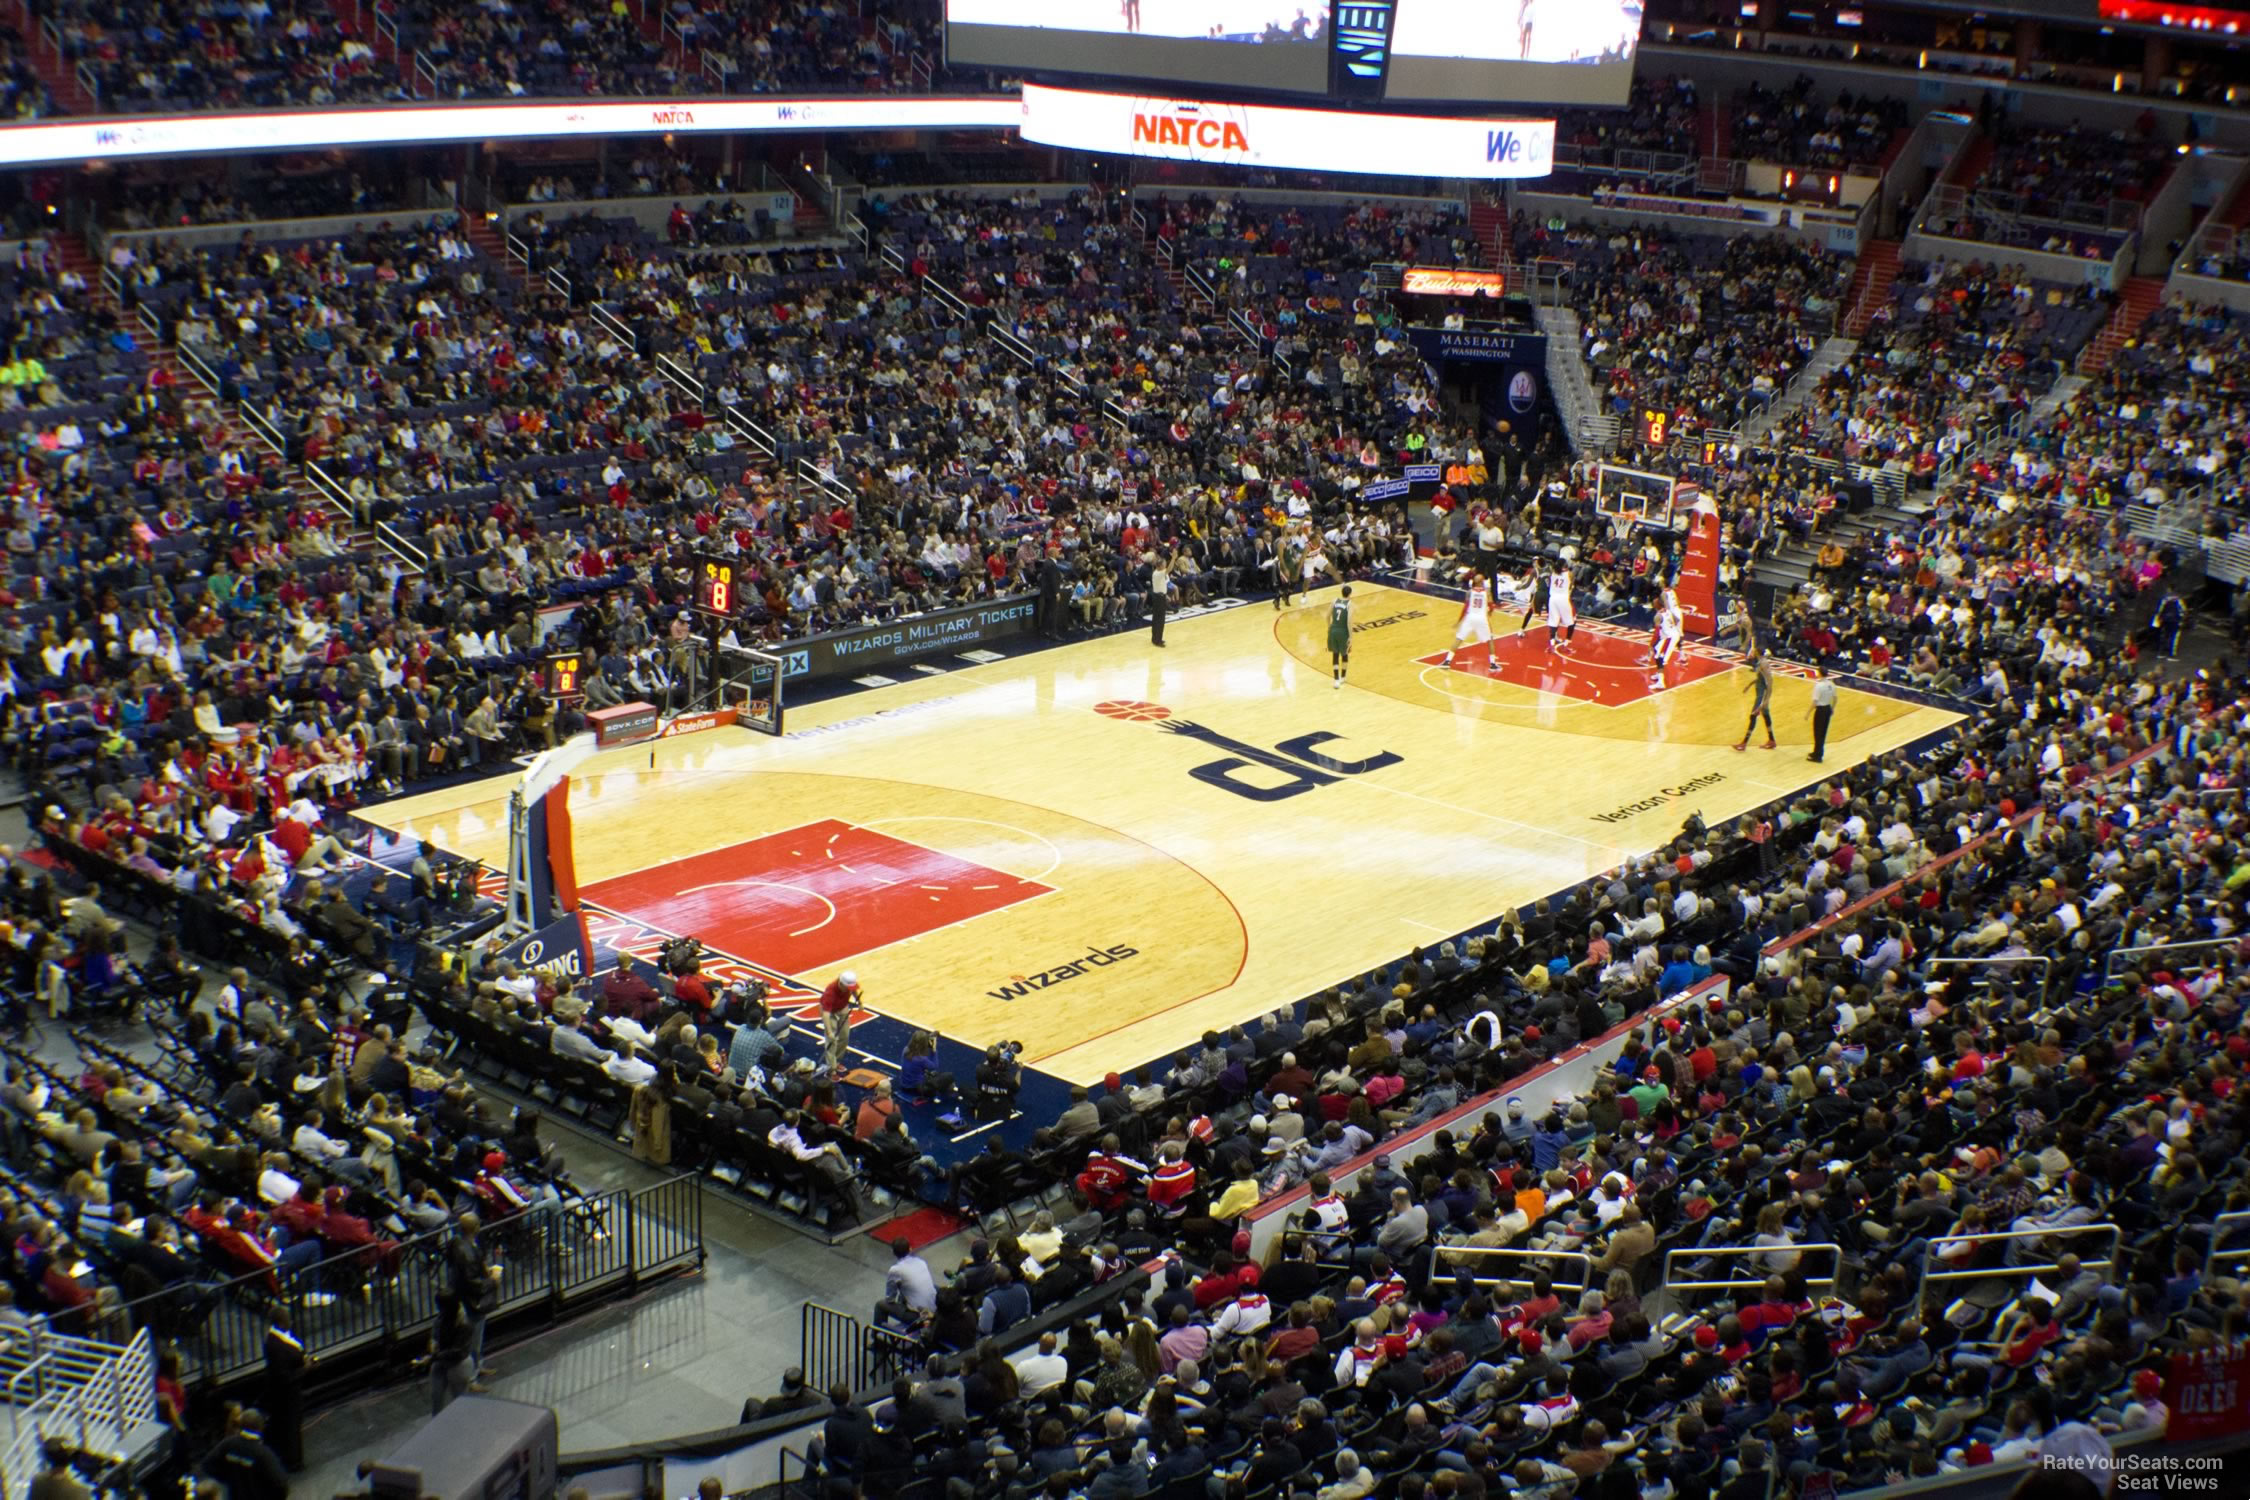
x: 742, y: 678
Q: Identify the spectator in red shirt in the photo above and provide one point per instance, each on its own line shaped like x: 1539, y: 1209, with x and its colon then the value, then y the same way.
x: 689, y: 989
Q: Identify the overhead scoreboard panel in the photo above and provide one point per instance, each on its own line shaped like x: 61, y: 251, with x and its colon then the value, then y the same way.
x: 1518, y: 52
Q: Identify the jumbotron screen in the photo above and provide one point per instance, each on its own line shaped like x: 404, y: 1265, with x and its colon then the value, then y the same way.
x: 1259, y: 44
x: 1517, y: 51
x: 1509, y: 51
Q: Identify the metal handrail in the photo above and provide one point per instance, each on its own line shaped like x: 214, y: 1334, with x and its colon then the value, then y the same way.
x: 2220, y: 1226
x: 425, y: 71
x: 330, y: 490
x: 263, y: 428
x: 398, y: 542
x: 2046, y: 966
x: 199, y: 367
x: 1504, y: 1253
x: 1740, y: 1252
x: 31, y: 1372
x: 751, y: 431
x: 617, y: 328
x: 680, y: 375
x: 947, y: 296
x: 2110, y: 968
x: 1935, y: 1251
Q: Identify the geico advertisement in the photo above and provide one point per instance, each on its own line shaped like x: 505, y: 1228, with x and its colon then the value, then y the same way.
x: 1306, y: 139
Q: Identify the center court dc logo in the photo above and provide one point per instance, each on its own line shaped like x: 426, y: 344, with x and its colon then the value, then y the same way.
x: 1523, y: 391
x: 1299, y: 761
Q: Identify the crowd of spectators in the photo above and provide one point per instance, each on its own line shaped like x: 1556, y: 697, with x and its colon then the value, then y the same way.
x: 1702, y: 325
x: 1848, y: 1109
x: 321, y: 184
x: 650, y: 172
x: 2229, y: 260
x: 1659, y: 115
x: 2163, y: 419
x: 144, y: 56
x: 22, y: 95
x: 1795, y: 127
x: 1960, y: 350
x: 199, y: 669
x: 2072, y: 173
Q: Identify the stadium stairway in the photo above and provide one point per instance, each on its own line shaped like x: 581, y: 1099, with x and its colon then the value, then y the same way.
x: 1174, y: 276
x: 2142, y: 296
x: 209, y: 405
x: 1872, y: 278
x: 2056, y: 398
x: 1792, y: 564
x: 1488, y: 227
x: 1968, y: 164
x: 55, y: 70
x: 1832, y: 355
x: 485, y: 234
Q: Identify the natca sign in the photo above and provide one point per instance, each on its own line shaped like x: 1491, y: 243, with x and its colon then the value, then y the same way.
x: 1312, y: 140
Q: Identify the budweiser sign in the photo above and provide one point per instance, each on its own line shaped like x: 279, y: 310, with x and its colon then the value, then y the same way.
x: 1451, y: 281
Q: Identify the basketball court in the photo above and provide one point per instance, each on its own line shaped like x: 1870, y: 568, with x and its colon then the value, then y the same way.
x: 1104, y: 849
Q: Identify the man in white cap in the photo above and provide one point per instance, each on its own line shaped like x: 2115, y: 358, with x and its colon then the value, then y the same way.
x: 836, y: 1005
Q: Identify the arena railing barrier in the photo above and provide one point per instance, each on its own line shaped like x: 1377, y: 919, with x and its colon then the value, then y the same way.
x: 772, y: 1450
x: 2110, y: 1234
x: 377, y: 1303
x: 100, y: 1398
x: 833, y: 1345
x: 2234, y: 1226
x: 2121, y: 960
x: 2044, y: 964
x: 1754, y: 1272
x: 1453, y: 1262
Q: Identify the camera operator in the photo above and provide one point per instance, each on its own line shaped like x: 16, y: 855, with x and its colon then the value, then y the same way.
x: 837, y: 1002
x: 999, y: 1077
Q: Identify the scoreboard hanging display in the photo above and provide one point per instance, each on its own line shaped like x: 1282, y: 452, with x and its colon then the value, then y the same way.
x: 715, y: 585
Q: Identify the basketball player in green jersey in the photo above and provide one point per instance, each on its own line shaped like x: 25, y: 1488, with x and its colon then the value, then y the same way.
x: 1761, y: 706
x: 1340, y: 634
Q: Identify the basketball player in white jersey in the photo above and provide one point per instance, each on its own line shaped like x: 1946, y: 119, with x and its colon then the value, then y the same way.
x: 1562, y: 619
x: 1671, y: 629
x: 1316, y: 560
x: 1475, y: 623
x: 1509, y: 591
